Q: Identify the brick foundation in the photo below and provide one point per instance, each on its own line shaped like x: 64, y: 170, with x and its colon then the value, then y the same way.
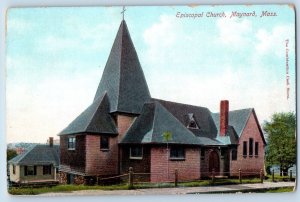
x: 62, y: 178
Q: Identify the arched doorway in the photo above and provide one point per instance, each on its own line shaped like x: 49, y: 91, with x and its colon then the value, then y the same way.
x: 214, y: 162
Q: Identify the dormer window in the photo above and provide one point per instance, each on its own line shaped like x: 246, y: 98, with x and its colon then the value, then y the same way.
x: 192, y: 122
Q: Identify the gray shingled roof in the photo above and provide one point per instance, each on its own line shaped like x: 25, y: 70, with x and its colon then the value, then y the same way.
x: 210, y: 142
x: 38, y: 155
x: 123, y: 78
x: 236, y: 118
x: 153, y: 122
x: 202, y: 116
x: 95, y: 119
x: 237, y: 121
x: 231, y: 137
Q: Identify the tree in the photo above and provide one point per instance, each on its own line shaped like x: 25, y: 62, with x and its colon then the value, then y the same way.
x: 167, y: 136
x: 11, y: 153
x: 281, y: 141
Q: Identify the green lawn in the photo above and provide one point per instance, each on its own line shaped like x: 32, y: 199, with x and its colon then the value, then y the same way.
x: 62, y: 188
x: 69, y: 188
x: 280, y: 190
x: 279, y: 178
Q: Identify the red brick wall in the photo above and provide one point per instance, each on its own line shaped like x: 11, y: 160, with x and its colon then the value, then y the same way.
x: 138, y: 165
x: 188, y: 169
x: 101, y: 162
x: 88, y: 158
x: 73, y: 158
x: 224, y: 107
x: 254, y: 163
x: 123, y: 122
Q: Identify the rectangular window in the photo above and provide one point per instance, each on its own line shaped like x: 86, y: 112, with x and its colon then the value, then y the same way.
x: 136, y: 152
x: 14, y: 169
x: 256, y: 148
x: 104, y: 143
x: 234, y: 154
x: 177, y: 153
x: 29, y: 170
x: 71, y: 143
x: 250, y: 147
x: 47, y: 170
x: 245, y: 148
x: 202, y: 153
x: 223, y: 151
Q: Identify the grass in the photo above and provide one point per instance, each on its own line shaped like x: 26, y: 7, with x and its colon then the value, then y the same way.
x: 280, y: 190
x: 265, y: 190
x: 62, y: 188
x: 279, y: 178
x: 69, y: 188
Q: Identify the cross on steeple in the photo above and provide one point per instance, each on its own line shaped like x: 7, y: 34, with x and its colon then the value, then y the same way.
x: 123, y: 11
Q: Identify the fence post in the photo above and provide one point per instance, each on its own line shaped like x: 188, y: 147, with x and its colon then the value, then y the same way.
x: 213, y: 176
x: 273, y: 179
x: 291, y: 175
x: 176, y: 177
x: 240, y: 176
x: 261, y: 176
x: 130, y: 178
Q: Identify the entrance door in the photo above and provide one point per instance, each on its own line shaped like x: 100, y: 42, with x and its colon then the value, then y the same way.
x: 70, y: 179
x: 214, y: 162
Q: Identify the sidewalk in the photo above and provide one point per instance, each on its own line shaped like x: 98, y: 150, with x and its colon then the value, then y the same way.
x: 178, y: 190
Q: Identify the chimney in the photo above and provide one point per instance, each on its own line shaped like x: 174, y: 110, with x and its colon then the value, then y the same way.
x: 51, y: 141
x: 224, y: 108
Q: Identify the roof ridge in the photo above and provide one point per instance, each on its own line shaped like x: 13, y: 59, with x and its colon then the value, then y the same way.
x: 156, y: 99
x: 250, y: 108
x: 120, y: 62
x: 175, y: 119
x: 154, y: 118
x: 25, y: 153
x: 91, y: 117
x: 247, y: 120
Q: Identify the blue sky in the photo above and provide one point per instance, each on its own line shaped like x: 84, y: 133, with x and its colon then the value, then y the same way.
x: 55, y: 59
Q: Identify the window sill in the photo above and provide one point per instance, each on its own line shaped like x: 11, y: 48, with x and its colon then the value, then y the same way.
x: 256, y: 156
x: 244, y: 156
x: 136, y: 158
x: 71, y: 149
x: 177, y: 159
x: 104, y: 150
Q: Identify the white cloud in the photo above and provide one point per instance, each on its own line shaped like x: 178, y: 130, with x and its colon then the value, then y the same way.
x: 159, y: 34
x: 270, y: 42
x: 161, y: 39
x: 246, y: 84
x: 233, y: 32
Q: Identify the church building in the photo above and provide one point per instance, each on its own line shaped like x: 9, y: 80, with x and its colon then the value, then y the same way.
x: 125, y: 127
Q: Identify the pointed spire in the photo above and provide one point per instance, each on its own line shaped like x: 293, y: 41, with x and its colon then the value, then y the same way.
x: 123, y: 78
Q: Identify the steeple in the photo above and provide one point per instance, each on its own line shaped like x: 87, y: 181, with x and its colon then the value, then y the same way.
x: 123, y: 78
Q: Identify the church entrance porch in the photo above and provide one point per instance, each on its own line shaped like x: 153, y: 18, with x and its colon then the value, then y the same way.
x: 214, y: 163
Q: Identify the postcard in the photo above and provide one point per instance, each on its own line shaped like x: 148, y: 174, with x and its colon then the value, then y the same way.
x: 153, y: 100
